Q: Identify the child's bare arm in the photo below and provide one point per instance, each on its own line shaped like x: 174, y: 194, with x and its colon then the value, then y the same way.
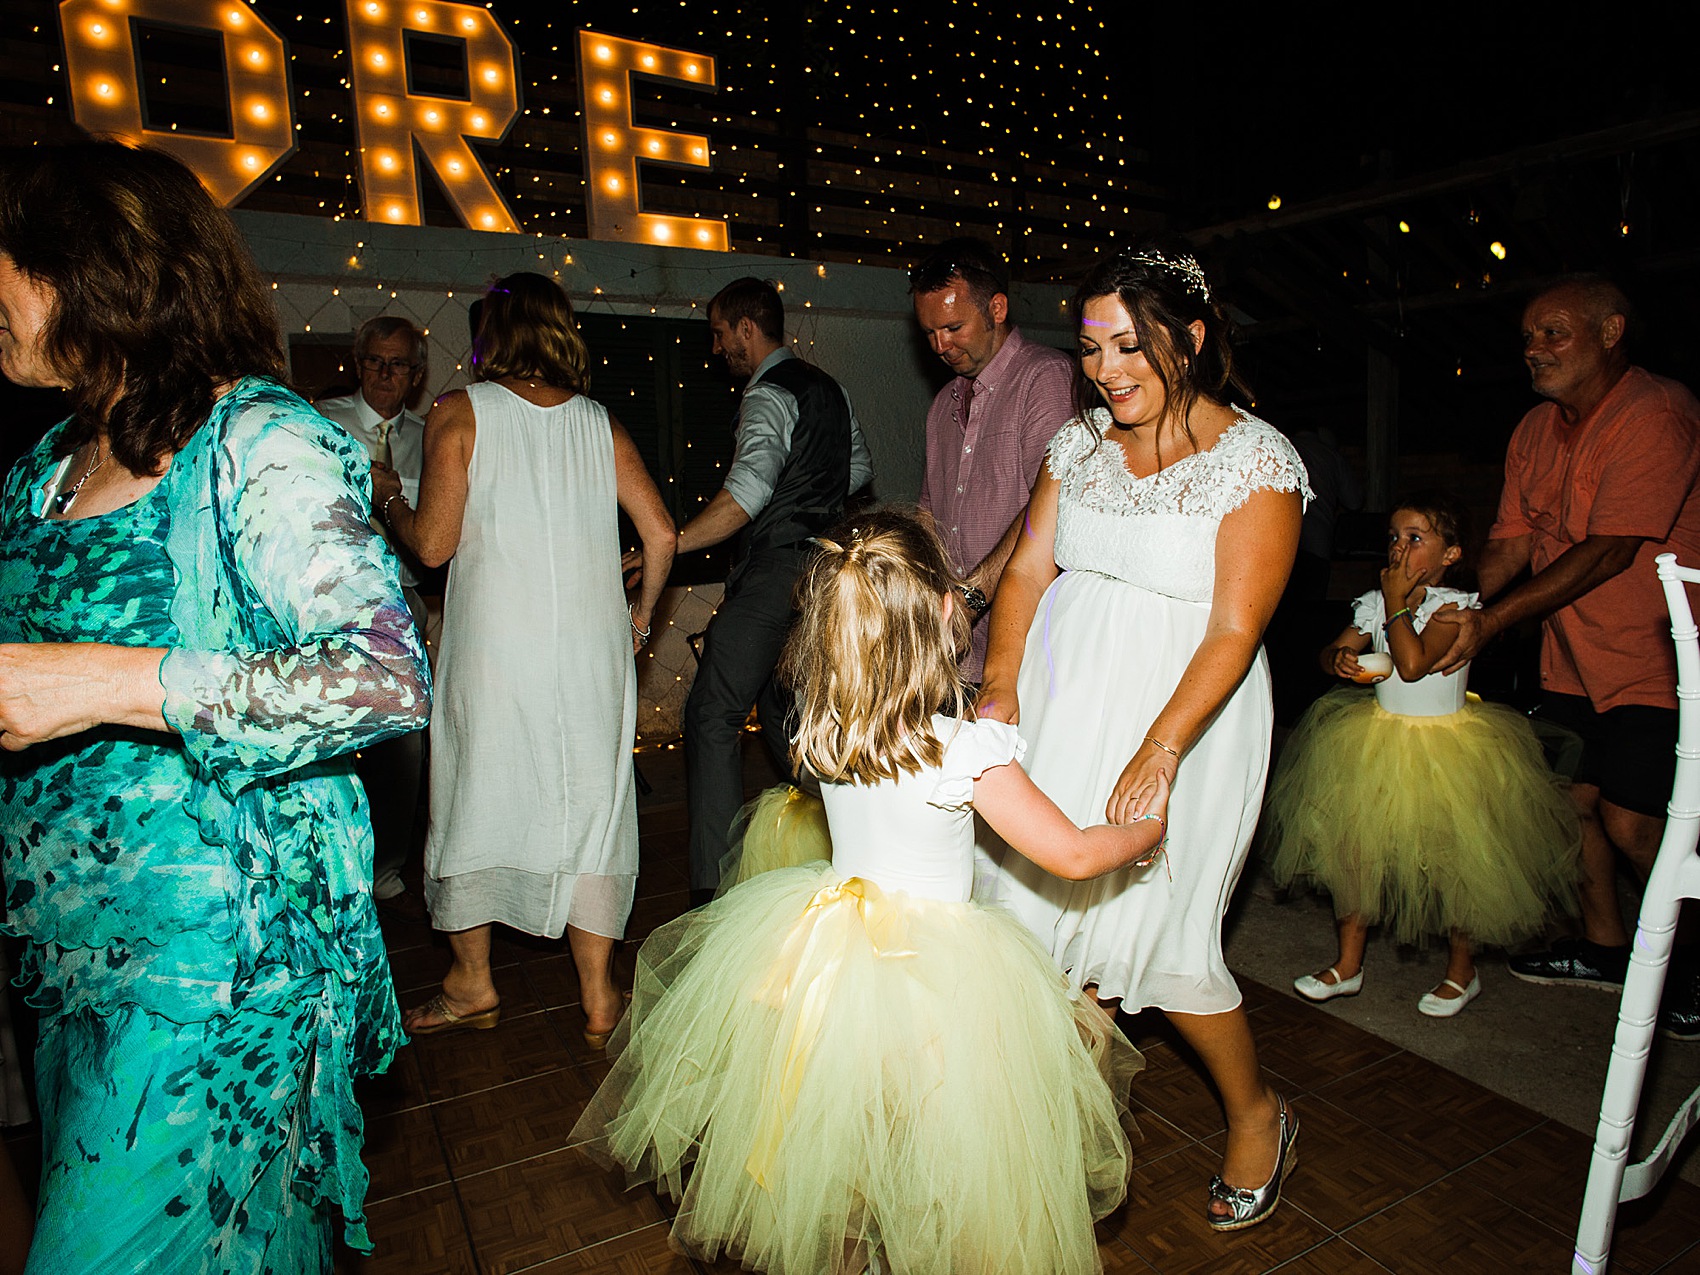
x: 1415, y: 654
x: 1031, y: 822
x: 1340, y: 657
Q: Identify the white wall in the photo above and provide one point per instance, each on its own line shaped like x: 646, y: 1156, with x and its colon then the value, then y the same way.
x: 853, y: 321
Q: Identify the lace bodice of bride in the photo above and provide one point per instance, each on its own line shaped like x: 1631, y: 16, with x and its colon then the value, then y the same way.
x: 1160, y: 532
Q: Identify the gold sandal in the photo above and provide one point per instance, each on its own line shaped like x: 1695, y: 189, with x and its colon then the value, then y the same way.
x: 599, y: 1040
x: 482, y: 1021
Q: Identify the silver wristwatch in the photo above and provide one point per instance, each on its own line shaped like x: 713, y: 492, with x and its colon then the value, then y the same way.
x: 975, y: 597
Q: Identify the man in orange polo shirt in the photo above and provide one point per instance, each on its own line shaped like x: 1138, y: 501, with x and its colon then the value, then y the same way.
x: 1599, y: 480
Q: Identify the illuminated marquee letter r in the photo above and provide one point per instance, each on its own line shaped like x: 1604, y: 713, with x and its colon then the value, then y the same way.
x: 391, y: 118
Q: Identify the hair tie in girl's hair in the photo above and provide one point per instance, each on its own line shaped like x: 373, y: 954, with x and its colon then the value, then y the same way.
x: 1184, y: 264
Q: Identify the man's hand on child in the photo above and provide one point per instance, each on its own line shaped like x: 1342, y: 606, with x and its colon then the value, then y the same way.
x: 1471, y: 633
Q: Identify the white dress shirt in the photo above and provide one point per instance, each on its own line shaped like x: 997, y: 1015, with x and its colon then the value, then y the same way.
x: 767, y: 416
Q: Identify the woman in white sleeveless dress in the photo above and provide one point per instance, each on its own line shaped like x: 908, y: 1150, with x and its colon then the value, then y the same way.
x: 533, y: 815
x: 1159, y: 538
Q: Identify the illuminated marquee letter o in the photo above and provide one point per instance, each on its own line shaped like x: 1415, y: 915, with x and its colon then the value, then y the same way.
x: 101, y: 65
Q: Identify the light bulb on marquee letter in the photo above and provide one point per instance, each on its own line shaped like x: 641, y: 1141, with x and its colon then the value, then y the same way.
x: 106, y: 97
x: 613, y: 144
x: 389, y: 119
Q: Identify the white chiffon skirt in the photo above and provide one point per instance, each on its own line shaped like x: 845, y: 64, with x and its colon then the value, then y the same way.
x: 1102, y: 659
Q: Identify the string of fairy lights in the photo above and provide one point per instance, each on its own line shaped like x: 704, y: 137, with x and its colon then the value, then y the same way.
x: 834, y: 132
x: 825, y: 131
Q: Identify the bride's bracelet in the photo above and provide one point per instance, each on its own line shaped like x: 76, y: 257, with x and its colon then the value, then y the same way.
x: 642, y: 635
x: 1157, y: 743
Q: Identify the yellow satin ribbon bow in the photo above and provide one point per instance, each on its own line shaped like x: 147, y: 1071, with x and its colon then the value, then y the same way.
x: 887, y: 932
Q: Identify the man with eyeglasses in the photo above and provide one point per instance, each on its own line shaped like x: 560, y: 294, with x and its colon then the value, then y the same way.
x: 989, y: 426
x: 390, y: 360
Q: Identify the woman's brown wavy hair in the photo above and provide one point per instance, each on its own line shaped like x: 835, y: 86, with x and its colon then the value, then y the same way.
x: 526, y: 328
x: 871, y: 657
x: 156, y: 298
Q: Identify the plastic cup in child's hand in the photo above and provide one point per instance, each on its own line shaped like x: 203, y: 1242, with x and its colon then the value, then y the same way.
x: 1373, y: 666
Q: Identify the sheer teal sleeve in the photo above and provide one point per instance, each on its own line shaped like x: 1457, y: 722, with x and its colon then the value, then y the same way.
x: 312, y: 650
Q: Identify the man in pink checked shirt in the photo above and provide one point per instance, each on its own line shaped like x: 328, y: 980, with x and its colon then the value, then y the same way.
x: 988, y: 428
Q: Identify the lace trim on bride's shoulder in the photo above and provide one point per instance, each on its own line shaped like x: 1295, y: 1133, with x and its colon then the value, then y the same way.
x: 1072, y: 444
x: 1249, y: 456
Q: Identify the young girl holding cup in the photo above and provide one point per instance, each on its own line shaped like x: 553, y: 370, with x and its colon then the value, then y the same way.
x: 1416, y: 806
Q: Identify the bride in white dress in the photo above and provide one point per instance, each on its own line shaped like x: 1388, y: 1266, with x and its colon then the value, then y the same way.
x: 1126, y: 643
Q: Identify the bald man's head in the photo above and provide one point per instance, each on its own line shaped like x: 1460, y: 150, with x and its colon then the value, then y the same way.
x: 1597, y: 297
x: 1575, y: 341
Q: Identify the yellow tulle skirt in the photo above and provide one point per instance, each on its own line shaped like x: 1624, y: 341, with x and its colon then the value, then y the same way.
x: 1423, y: 824
x: 782, y: 828
x: 823, y: 1073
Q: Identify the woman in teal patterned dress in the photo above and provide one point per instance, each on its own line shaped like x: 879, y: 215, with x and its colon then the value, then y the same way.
x: 197, y: 626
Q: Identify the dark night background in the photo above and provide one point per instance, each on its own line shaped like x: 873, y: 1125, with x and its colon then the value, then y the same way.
x: 863, y: 132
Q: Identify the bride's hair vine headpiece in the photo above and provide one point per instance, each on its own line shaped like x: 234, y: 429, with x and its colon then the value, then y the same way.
x: 1182, y: 263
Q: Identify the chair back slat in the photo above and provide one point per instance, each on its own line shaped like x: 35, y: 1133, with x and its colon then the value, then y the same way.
x: 1675, y: 876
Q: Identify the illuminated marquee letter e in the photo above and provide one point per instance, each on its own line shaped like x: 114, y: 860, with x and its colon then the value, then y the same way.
x: 103, y: 70
x: 613, y: 145
x: 390, y: 118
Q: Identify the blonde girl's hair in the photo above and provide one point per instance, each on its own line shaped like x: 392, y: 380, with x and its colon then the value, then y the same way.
x: 871, y: 657
x: 526, y: 328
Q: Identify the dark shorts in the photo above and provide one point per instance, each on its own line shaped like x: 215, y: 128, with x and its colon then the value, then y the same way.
x: 1628, y: 752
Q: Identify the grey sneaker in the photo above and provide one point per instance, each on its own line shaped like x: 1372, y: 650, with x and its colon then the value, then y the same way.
x: 1574, y: 963
x: 1679, y: 1016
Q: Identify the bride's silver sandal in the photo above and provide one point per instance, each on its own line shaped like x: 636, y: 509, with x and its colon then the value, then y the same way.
x: 1247, y: 1207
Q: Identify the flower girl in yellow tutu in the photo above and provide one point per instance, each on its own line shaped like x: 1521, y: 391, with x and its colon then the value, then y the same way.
x: 1418, y: 807
x: 846, y: 1065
